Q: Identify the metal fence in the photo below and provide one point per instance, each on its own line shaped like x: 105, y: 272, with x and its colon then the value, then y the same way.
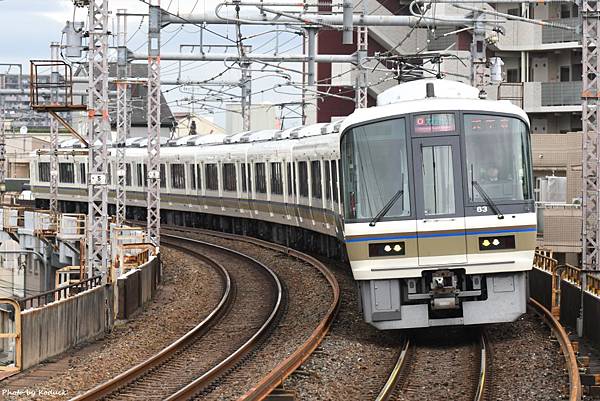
x: 44, y: 298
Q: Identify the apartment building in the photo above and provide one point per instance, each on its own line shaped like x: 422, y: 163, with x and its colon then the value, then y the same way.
x: 542, y: 73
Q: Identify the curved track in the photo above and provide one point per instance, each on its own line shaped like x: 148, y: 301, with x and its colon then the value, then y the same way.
x: 250, y: 304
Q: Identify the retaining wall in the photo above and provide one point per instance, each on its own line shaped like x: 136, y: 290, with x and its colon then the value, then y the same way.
x: 540, y: 283
x: 137, y: 287
x: 60, y: 325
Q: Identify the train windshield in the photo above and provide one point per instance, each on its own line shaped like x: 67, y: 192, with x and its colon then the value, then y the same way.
x: 375, y: 170
x: 497, y: 157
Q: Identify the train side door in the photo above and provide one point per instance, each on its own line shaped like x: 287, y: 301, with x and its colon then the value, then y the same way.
x: 439, y: 196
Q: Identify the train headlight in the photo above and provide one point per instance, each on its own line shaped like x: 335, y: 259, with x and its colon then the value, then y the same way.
x: 496, y: 243
x: 386, y: 249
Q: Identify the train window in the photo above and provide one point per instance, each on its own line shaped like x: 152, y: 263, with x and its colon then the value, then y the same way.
x: 315, y: 176
x: 327, y: 180
x: 438, y: 180
x: 374, y: 161
x: 163, y: 176
x: 66, y: 173
x: 82, y: 175
x: 249, y: 177
x: 291, y: 174
x: 229, y: 179
x: 212, y: 179
x: 128, y: 174
x: 109, y: 176
x: 178, y: 176
x: 43, y: 171
x: 142, y: 173
x: 192, y: 169
x: 276, y: 179
x: 243, y: 174
x: 260, y: 177
x: 302, y: 179
x: 334, y: 179
x: 497, y: 158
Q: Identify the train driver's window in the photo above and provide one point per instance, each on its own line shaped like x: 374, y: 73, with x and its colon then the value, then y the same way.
x: 497, y: 157
x: 375, y: 171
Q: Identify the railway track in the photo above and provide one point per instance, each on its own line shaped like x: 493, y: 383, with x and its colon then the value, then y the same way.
x: 230, y: 332
x: 446, y: 370
x: 453, y: 367
x: 181, y: 371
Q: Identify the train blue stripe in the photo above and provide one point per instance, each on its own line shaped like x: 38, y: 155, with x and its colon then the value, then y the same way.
x: 436, y: 235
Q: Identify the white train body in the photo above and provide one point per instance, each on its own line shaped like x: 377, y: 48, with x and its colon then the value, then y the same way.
x: 454, y: 171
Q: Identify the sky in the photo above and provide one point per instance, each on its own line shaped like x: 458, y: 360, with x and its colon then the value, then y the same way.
x: 28, y: 26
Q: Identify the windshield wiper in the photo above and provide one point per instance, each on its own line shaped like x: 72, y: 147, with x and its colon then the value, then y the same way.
x: 487, y: 199
x: 387, y: 207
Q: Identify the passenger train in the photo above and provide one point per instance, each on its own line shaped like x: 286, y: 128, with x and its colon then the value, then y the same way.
x: 428, y: 195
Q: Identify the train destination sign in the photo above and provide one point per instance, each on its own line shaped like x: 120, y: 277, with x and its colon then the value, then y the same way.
x: 438, y: 122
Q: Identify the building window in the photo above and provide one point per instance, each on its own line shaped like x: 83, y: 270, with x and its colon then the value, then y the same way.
x: 44, y: 171
x: 512, y: 75
x: 260, y: 178
x: 192, y: 168
x: 82, y: 175
x: 276, y: 179
x: 576, y: 72
x: 302, y: 178
x: 229, y: 181
x: 565, y: 74
x: 212, y: 179
x: 66, y: 173
x: 178, y: 176
x: 315, y: 175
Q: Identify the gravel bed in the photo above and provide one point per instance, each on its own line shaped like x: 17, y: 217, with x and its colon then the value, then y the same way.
x: 354, y: 360
x: 308, y: 298
x: 189, y: 291
x: 443, y: 365
x: 527, y: 363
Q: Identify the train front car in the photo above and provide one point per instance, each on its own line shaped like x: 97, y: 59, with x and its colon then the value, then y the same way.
x: 439, y: 218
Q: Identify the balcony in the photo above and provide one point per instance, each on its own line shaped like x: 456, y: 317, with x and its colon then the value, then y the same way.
x: 557, y: 35
x: 559, y: 226
x: 561, y: 93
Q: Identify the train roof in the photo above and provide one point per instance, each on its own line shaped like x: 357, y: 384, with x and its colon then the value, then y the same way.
x: 411, y: 97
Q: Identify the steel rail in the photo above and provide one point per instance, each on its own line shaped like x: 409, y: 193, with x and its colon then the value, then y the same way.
x: 285, y: 368
x: 161, y: 357
x: 483, y: 369
x: 201, y: 382
x: 390, y: 385
x: 566, y: 348
x: 401, y: 365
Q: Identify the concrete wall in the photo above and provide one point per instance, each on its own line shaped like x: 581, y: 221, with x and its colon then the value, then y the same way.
x: 136, y: 288
x: 55, y: 328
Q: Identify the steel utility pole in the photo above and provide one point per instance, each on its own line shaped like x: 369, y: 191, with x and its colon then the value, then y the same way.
x: 590, y: 13
x: 153, y: 206
x: 54, y: 79
x: 246, y: 104
x: 478, y: 50
x: 2, y: 142
x: 362, y: 96
x: 98, y: 133
x: 123, y: 119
